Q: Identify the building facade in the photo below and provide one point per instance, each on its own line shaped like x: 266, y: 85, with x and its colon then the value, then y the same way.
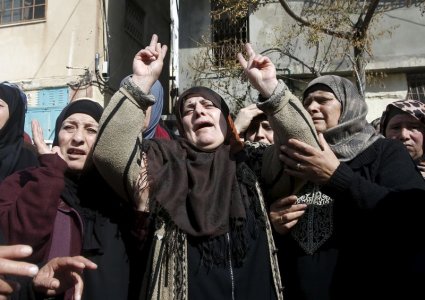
x: 396, y: 67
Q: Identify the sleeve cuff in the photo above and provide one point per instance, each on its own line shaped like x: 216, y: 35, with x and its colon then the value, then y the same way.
x: 341, y: 178
x: 131, y: 90
x: 53, y: 161
x: 272, y: 104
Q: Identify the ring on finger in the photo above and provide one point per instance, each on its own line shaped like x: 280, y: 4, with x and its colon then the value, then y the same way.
x: 298, y: 166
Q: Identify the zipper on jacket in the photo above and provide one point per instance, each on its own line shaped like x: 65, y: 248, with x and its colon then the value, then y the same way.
x: 232, y: 278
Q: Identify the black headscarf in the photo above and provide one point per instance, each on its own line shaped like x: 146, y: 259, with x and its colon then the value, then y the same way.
x: 12, y: 156
x: 72, y: 191
x: 102, y: 214
x: 198, y: 190
x: 353, y: 134
x: 83, y: 106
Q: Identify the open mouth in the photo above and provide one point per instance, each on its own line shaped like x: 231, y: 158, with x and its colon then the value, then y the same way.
x: 75, y: 151
x: 201, y: 125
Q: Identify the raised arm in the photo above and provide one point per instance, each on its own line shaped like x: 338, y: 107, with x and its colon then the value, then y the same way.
x: 286, y: 115
x: 117, y: 152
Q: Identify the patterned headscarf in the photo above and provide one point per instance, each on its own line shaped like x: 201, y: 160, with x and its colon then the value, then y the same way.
x: 353, y: 134
x: 412, y: 107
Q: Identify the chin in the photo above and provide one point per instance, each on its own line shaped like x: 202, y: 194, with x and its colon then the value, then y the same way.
x: 75, y: 166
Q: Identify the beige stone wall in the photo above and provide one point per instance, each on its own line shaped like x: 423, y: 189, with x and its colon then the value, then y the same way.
x: 55, y: 52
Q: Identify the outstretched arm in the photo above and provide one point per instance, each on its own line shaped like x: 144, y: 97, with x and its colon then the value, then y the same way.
x: 286, y: 115
x: 117, y: 152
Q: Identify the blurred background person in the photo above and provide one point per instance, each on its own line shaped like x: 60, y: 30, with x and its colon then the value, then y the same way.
x: 404, y: 120
x: 252, y: 125
x: 15, y: 154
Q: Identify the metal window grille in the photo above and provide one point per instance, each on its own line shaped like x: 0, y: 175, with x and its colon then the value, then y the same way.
x: 134, y: 21
x: 416, y: 86
x: 228, y: 38
x: 21, y: 11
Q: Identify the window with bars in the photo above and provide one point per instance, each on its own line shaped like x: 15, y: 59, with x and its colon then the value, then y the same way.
x: 21, y: 11
x: 416, y: 86
x: 134, y: 21
x: 228, y: 37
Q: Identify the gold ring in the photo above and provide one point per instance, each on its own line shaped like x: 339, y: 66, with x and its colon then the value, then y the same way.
x: 280, y: 220
x: 298, y: 166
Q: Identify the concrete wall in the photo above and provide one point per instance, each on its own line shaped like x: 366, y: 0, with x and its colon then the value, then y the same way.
x: 394, y: 54
x: 37, y: 55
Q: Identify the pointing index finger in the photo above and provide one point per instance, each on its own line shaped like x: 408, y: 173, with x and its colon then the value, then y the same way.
x: 154, y: 41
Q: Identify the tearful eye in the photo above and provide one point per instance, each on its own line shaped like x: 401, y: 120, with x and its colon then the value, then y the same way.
x: 187, y: 112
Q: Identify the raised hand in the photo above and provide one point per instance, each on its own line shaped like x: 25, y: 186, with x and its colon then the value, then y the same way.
x: 9, y: 266
x: 61, y: 274
x: 259, y: 70
x: 245, y: 116
x: 38, y: 138
x: 148, y: 63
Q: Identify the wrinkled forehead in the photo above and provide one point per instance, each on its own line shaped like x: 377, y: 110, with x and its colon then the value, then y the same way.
x: 80, y: 118
x: 196, y: 98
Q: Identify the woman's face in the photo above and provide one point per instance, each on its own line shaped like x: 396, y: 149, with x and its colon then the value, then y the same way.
x: 203, y: 123
x: 324, y: 108
x: 4, y: 113
x: 76, y: 138
x: 260, y: 131
x: 409, y: 130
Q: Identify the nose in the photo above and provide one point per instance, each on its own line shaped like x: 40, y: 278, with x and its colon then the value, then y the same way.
x: 259, y: 135
x: 404, y: 134
x: 313, y: 107
x: 199, y: 109
x: 78, y: 137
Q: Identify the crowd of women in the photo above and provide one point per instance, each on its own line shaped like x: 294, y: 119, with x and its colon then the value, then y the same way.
x: 296, y: 199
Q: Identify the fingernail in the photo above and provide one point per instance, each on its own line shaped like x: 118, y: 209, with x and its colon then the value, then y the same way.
x: 26, y: 250
x: 33, y: 270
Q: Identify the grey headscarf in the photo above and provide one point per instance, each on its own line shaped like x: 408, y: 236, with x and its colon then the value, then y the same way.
x: 353, y: 134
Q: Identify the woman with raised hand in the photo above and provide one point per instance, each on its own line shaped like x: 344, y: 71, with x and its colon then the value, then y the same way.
x: 202, y: 215
x: 41, y: 206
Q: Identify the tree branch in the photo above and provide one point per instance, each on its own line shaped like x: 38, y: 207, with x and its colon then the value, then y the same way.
x: 368, y: 18
x: 305, y: 22
x: 311, y: 69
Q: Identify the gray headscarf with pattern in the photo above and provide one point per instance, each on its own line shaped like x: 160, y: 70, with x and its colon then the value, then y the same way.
x: 353, y: 134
